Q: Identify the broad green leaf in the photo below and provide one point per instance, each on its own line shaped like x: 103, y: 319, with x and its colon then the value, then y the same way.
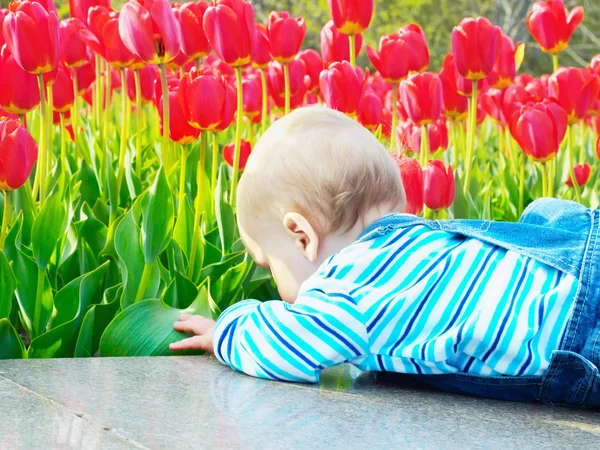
x: 158, y: 218
x: 23, y: 201
x: 90, y: 189
x: 11, y: 345
x: 215, y: 271
x: 13, y: 240
x: 131, y: 261
x: 92, y: 230
x: 224, y: 212
x: 180, y: 293
x: 35, y: 313
x: 183, y: 234
x: 80, y: 262
x: 8, y: 284
x: 60, y: 341
x: 232, y: 282
x: 101, y: 211
x: 146, y: 328
x: 49, y: 227
x: 460, y: 207
x: 95, y: 322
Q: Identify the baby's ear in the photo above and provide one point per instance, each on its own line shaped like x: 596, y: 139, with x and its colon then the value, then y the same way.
x: 304, y: 234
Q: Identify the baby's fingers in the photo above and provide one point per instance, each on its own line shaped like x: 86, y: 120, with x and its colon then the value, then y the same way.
x: 191, y: 343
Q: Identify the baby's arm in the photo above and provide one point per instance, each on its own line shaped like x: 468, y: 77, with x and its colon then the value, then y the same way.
x: 294, y: 342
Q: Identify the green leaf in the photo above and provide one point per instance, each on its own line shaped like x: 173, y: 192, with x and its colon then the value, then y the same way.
x: 158, y: 218
x: 146, y: 328
x: 215, y: 271
x: 60, y: 341
x: 23, y: 201
x: 225, y: 217
x: 11, y: 345
x: 460, y: 207
x: 49, y: 227
x: 131, y: 261
x: 180, y: 293
x: 90, y: 189
x: 95, y: 322
x: 13, y: 240
x: 232, y: 282
x: 34, y: 316
x: 80, y: 262
x: 92, y: 230
x: 8, y: 284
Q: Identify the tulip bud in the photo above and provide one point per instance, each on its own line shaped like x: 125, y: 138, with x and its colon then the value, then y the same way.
x: 475, y: 44
x: 117, y: 54
x: 550, y: 27
x: 180, y: 131
x: 252, y: 97
x: 193, y: 39
x: 418, y: 51
x: 335, y: 46
x: 245, y: 150
x: 261, y: 52
x: 79, y: 8
x: 505, y: 69
x: 582, y: 175
x: 412, y: 179
x: 314, y: 66
x: 18, y: 154
x: 299, y: 82
x: 438, y: 185
x: 86, y: 75
x: 455, y: 105
x: 369, y: 114
x: 3, y: 14
x: 342, y: 87
x: 29, y: 23
x: 285, y: 35
x: 575, y: 90
x: 351, y: 16
x: 73, y: 49
x: 62, y: 90
x: 393, y: 60
x: 421, y: 96
x: 19, y: 92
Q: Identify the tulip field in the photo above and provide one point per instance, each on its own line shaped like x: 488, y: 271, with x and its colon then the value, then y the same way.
x: 123, y: 134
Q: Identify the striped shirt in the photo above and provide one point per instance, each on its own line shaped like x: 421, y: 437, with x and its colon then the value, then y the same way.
x: 415, y: 300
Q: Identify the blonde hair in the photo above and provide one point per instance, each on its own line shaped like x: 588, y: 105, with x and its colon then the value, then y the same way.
x: 322, y: 164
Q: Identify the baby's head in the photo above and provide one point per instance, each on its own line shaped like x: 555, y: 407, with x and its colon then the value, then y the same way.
x: 312, y: 184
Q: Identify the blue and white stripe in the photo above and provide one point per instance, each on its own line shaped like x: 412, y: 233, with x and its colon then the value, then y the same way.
x: 414, y: 300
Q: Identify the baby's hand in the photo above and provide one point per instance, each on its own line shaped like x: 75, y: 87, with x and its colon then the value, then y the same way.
x: 201, y: 327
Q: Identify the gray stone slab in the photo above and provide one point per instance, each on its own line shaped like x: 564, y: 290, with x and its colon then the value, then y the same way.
x: 28, y: 420
x: 195, y: 402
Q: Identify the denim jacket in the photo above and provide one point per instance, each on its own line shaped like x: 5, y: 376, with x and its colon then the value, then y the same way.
x: 564, y: 235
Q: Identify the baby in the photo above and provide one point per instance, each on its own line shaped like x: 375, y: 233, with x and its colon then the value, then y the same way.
x: 502, y: 310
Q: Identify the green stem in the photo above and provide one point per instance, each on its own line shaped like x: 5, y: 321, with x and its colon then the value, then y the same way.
x: 394, y: 118
x: 522, y: 184
x: 63, y: 143
x: 166, y: 118
x: 571, y: 145
x: 49, y: 132
x: 197, y: 203
x: 37, y: 309
x: 424, y: 150
x: 286, y: 78
x: 213, y: 169
x: 75, y: 108
x: 454, y: 127
x: 138, y: 124
x: 549, y: 166
x: 265, y: 101
x: 544, y: 181
x: 126, y: 112
x: 471, y: 137
x: 352, y: 41
x: 583, y: 142
x: 500, y: 147
x: 98, y: 92
x: 555, y: 61
x: 143, y: 282
x: 107, y: 92
x: 238, y: 136
x: 41, y: 183
x: 5, y: 219
x: 182, y: 173
x: 436, y: 214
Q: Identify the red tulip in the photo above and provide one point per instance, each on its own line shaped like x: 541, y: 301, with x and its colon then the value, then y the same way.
x: 369, y: 112
x: 298, y: 83
x: 418, y: 50
x: 539, y: 128
x: 193, y: 40
x: 86, y: 75
x: 261, y: 52
x: 314, y: 66
x: 509, y: 58
x: 33, y: 37
x: 148, y: 75
x: 7, y: 115
x: 342, y: 87
x: 3, y: 14
x: 455, y: 105
x: 207, y: 99
x: 79, y: 8
x: 393, y: 59
x: 19, y: 91
x: 173, y: 83
x: 230, y: 29
x: 180, y: 131
x: 66, y: 116
x: 48, y: 5
x: 18, y: 154
x: 594, y: 64
x: 285, y: 35
x: 438, y: 185
x: 98, y: 16
x: 538, y: 88
x: 245, y: 151
x: 582, y: 174
x: 550, y: 27
x: 409, y: 136
x: 351, y: 16
x: 62, y: 90
x: 181, y: 60
x: 335, y: 46
x: 421, y: 96
x: 149, y: 30
x: 72, y: 47
x: 412, y: 179
x: 575, y: 90
x: 252, y: 96
x: 117, y: 54
x: 475, y: 44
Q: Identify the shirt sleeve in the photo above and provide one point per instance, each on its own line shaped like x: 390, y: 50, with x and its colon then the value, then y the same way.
x: 291, y: 342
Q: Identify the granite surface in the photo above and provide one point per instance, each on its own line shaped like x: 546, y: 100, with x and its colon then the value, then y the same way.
x: 195, y: 402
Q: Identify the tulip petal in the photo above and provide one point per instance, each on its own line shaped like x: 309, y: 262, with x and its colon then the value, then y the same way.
x: 135, y: 28
x: 573, y: 21
x: 162, y: 15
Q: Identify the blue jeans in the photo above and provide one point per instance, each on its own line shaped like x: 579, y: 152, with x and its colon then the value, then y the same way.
x: 564, y: 235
